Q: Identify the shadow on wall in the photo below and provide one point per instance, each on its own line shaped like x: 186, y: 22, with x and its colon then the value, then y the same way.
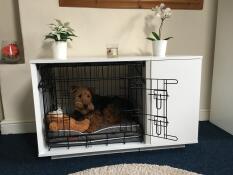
x: 127, y: 29
x: 26, y: 106
x: 1, y: 107
x: 46, y: 50
x: 19, y: 32
x: 149, y: 25
x: 148, y: 28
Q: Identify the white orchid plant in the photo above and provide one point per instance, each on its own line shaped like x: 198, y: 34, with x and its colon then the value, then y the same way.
x: 163, y: 13
x: 60, y: 31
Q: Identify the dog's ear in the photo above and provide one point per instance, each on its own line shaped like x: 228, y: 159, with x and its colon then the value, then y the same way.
x: 74, y: 89
x: 91, y: 89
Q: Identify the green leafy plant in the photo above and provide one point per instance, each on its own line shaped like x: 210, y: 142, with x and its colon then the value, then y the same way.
x: 60, y: 31
x: 163, y: 13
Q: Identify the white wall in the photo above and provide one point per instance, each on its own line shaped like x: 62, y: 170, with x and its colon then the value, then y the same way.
x: 222, y: 96
x: 193, y: 33
x: 9, y: 30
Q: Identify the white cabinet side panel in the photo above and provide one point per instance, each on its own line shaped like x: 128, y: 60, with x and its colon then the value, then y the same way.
x: 42, y: 148
x: 183, y: 101
x: 148, y: 103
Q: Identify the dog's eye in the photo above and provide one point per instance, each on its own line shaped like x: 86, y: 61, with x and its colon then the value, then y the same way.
x: 88, y: 96
x: 80, y: 96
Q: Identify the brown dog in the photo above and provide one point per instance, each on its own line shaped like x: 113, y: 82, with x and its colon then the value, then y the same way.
x: 107, y: 110
x: 99, y: 120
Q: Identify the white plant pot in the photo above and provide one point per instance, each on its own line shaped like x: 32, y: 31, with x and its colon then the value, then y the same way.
x: 159, y: 47
x: 60, y: 50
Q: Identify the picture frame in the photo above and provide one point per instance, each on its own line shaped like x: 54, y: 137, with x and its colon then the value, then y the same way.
x: 133, y: 4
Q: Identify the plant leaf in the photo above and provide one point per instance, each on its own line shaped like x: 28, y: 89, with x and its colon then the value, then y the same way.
x: 50, y: 37
x: 52, y: 24
x: 58, y: 37
x: 60, y: 31
x: 156, y: 35
x: 168, y: 38
x: 72, y: 34
x: 151, y: 39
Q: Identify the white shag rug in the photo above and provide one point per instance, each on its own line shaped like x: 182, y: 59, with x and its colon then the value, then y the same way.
x: 134, y: 169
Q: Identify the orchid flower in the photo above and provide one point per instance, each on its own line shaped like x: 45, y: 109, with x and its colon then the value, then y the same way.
x: 163, y: 13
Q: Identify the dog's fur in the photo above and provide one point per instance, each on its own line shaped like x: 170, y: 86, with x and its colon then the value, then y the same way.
x: 100, y: 110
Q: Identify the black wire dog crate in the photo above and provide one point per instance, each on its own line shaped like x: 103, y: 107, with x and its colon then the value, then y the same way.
x: 121, y: 85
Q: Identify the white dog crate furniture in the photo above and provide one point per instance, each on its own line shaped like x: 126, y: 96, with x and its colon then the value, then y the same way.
x: 162, y: 94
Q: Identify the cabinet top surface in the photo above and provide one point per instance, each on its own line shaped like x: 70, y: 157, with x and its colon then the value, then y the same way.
x: 118, y: 59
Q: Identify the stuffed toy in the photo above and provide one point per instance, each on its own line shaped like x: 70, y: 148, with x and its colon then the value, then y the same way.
x: 57, y: 120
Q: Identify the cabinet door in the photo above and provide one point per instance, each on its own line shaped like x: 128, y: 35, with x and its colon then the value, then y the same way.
x: 174, y: 97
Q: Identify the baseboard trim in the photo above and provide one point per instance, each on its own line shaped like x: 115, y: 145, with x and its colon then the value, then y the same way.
x: 20, y: 127
x: 17, y: 127
x: 204, y: 115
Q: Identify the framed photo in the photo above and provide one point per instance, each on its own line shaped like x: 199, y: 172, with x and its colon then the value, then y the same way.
x: 137, y: 4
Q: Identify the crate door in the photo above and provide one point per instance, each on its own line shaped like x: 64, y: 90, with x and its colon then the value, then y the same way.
x: 174, y: 96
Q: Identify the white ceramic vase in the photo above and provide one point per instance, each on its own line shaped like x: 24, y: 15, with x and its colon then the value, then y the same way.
x: 159, y: 47
x: 60, y: 50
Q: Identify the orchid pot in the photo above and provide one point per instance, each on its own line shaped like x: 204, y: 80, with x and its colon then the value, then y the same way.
x: 159, y: 47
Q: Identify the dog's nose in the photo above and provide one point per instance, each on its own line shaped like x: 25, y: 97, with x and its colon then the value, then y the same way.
x: 85, y: 106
